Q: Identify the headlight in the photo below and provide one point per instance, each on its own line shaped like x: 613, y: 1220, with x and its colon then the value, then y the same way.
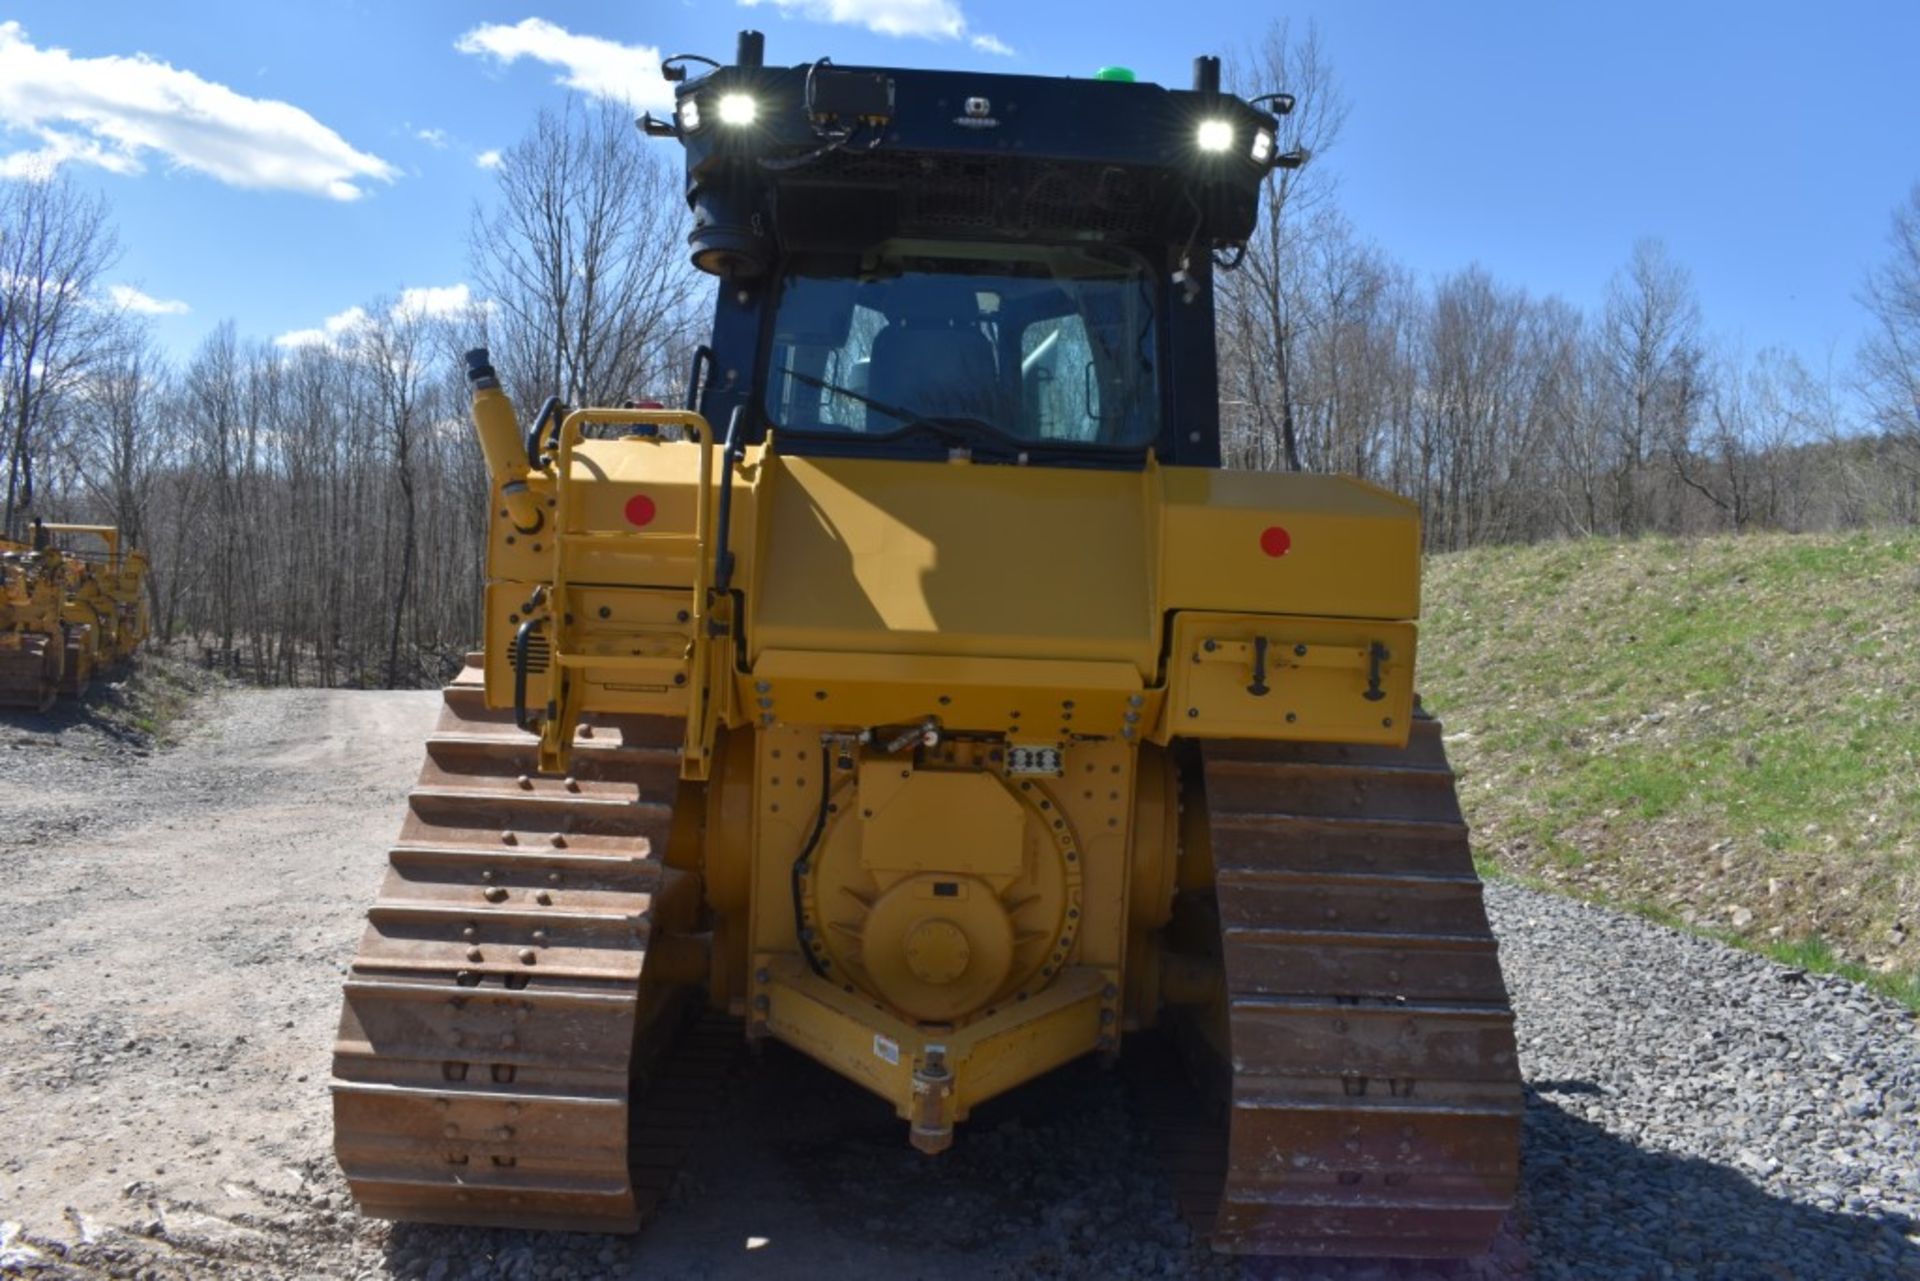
x: 1262, y: 151
x: 738, y: 109
x: 689, y: 114
x: 1215, y: 135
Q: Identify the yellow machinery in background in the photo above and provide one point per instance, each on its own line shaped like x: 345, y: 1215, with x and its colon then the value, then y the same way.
x: 108, y: 590
x: 33, y: 641
x: 950, y: 715
x: 65, y: 613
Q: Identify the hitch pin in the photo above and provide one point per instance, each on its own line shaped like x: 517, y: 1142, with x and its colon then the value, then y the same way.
x: 1376, y: 655
x: 1259, y: 686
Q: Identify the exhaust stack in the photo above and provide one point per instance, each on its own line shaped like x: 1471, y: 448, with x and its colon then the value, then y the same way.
x: 497, y: 427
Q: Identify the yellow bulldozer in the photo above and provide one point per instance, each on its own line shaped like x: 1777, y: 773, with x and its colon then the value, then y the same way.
x: 926, y: 696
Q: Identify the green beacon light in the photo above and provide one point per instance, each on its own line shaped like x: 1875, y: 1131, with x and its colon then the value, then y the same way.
x: 1117, y: 75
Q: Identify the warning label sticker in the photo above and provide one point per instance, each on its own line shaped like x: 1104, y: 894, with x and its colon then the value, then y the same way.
x: 885, y: 1049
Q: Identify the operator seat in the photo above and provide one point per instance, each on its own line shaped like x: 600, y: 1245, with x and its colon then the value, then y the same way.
x: 938, y: 364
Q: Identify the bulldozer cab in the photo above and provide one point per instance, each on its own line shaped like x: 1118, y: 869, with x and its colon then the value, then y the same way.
x: 918, y: 262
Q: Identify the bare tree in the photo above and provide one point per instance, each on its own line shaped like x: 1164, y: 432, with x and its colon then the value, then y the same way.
x: 1889, y: 360
x: 1712, y: 457
x: 395, y: 348
x: 121, y: 439
x: 55, y: 244
x: 583, y: 261
x: 1650, y: 343
x: 1267, y: 303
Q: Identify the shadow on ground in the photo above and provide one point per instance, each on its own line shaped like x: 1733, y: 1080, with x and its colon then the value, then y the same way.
x: 109, y: 707
x: 808, y: 1176
x: 1599, y: 1206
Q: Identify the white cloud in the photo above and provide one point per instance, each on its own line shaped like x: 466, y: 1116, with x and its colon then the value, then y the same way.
x: 127, y: 298
x: 420, y: 303
x: 57, y: 149
x: 929, y: 19
x: 488, y: 159
x: 604, y: 68
x: 939, y: 19
x: 333, y: 329
x: 435, y: 138
x: 433, y: 300
x: 111, y: 111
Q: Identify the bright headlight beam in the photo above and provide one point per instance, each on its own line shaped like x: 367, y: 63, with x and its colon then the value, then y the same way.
x: 1262, y: 150
x: 1215, y: 135
x: 738, y: 109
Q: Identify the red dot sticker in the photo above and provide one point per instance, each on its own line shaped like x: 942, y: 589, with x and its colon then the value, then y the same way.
x: 640, y: 510
x: 1275, y: 541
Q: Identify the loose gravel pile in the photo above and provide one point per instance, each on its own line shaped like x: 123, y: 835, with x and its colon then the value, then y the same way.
x: 1698, y: 1111
x: 1692, y: 1111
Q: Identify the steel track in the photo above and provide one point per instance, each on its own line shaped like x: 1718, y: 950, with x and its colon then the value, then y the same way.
x: 500, y: 1006
x: 1362, y: 1059
x: 30, y: 673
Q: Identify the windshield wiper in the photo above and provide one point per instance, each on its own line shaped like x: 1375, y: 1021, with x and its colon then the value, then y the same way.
x: 962, y: 432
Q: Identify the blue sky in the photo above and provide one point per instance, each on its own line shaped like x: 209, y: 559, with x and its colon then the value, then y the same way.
x: 1766, y: 142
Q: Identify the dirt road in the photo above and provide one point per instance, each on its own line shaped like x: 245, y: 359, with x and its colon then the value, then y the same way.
x: 178, y: 920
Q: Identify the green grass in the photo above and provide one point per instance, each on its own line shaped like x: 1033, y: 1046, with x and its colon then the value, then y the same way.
x: 1816, y: 954
x: 1715, y: 731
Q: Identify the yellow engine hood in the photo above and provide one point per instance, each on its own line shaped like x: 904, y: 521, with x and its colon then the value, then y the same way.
x: 891, y: 557
x: 887, y: 557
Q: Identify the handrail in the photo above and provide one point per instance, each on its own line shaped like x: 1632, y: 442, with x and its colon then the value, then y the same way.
x: 723, y: 553
x: 699, y: 736
x: 548, y: 412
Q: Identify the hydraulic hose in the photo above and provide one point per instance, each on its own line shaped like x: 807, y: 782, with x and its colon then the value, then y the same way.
x: 801, y: 863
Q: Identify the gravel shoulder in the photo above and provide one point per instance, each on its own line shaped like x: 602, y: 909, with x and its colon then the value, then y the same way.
x: 179, y: 920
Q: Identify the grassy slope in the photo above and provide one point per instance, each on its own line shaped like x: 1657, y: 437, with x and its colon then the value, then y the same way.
x: 1725, y: 732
